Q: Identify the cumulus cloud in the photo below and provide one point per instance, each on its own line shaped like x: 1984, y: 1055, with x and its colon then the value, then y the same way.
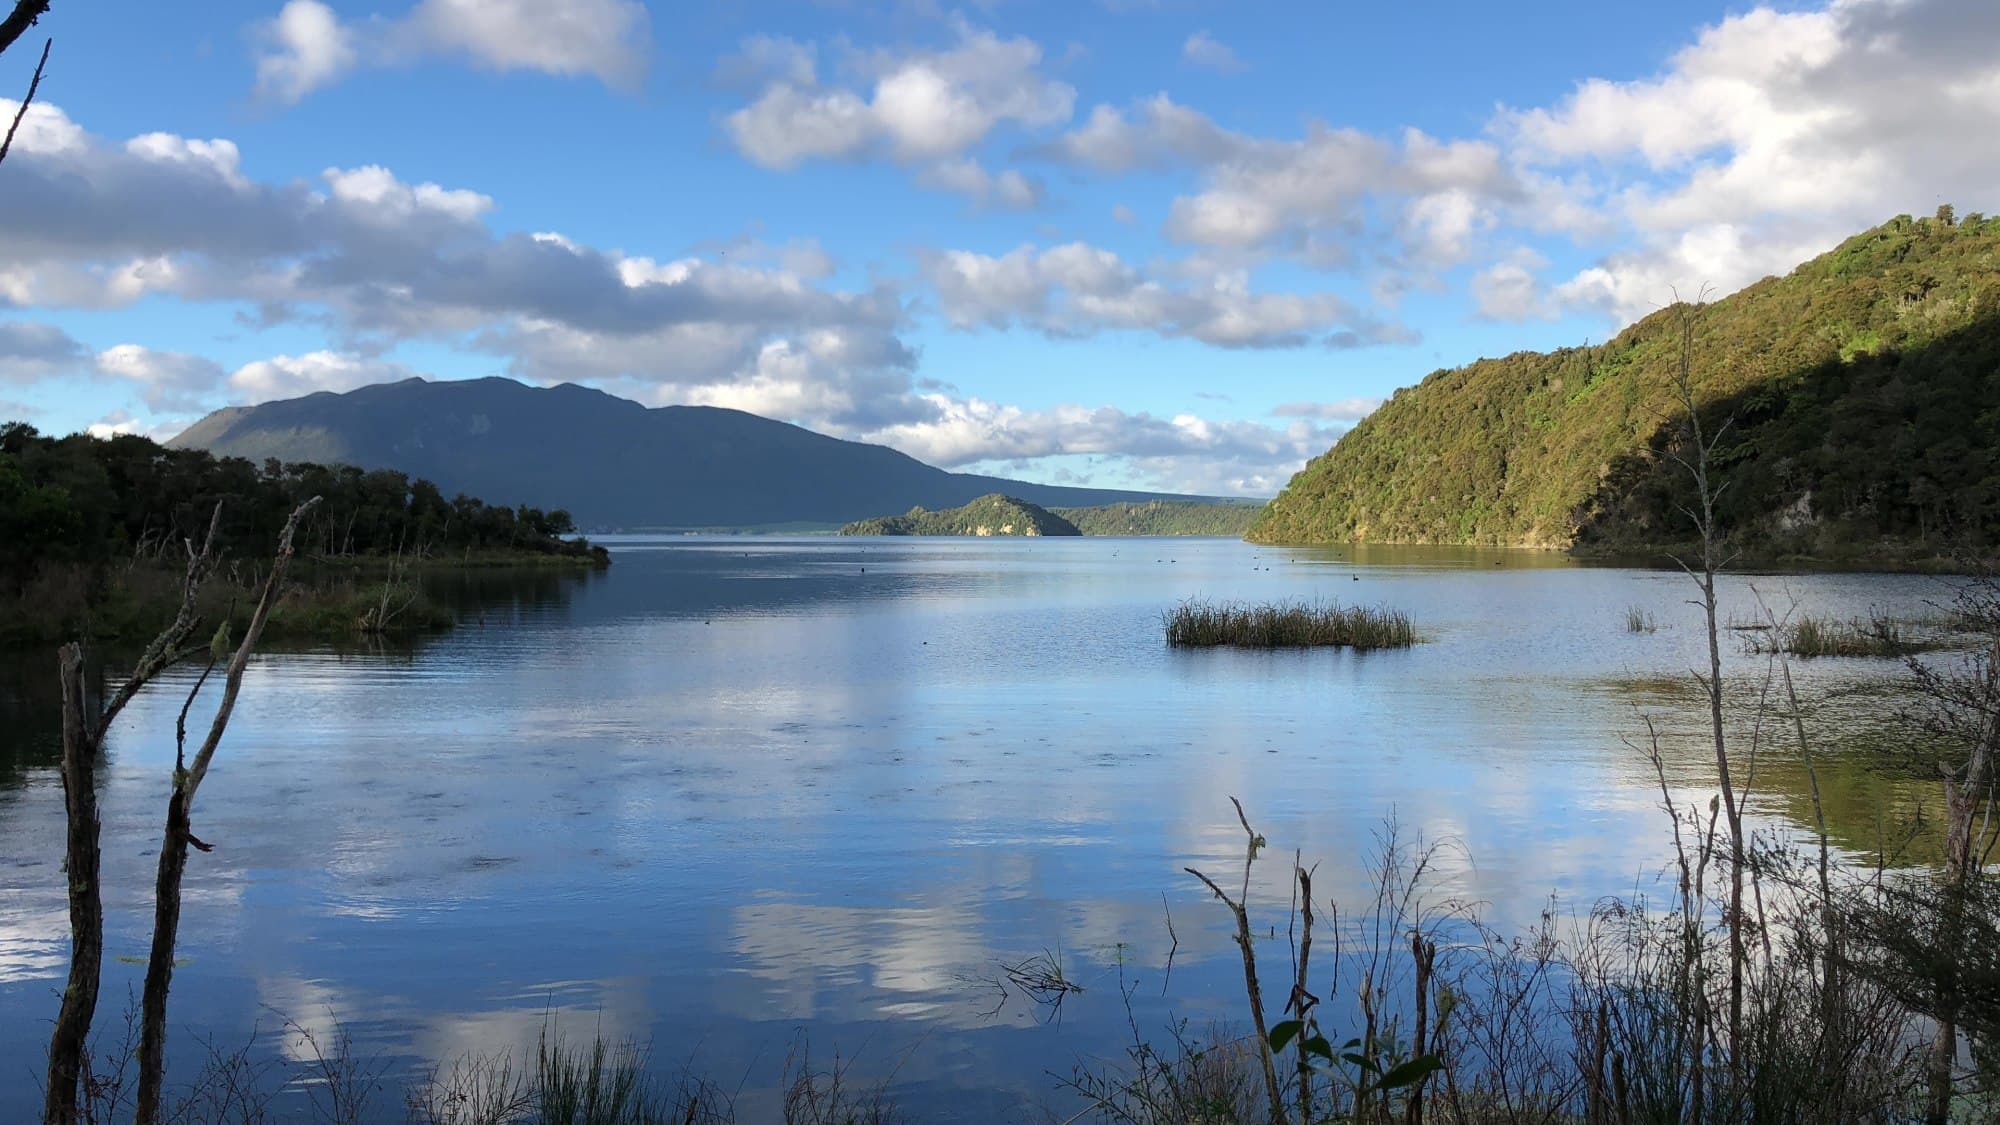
x: 30, y: 351
x: 375, y: 261
x: 1079, y: 290
x: 1008, y: 191
x: 301, y: 49
x: 1316, y: 196
x: 86, y: 222
x: 1767, y: 138
x: 915, y: 107
x: 167, y: 381
x: 306, y: 46
x: 287, y: 376
x: 1181, y: 452
x: 1204, y: 50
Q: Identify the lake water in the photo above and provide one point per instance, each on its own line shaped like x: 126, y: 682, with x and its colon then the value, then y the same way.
x: 732, y: 790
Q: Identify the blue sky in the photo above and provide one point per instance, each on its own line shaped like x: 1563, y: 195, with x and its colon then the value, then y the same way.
x: 1171, y: 244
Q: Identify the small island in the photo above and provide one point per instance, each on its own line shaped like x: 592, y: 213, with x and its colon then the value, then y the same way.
x: 1000, y: 514
x: 992, y: 514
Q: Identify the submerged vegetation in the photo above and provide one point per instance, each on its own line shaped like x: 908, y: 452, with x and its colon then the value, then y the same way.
x: 94, y: 534
x: 1288, y: 625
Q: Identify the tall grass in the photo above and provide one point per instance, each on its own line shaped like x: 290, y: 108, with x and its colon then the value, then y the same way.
x: 1298, y: 624
x: 1810, y: 636
x: 1638, y: 620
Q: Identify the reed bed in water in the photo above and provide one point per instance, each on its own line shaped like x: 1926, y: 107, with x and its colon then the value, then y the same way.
x: 1300, y: 624
x: 1807, y: 635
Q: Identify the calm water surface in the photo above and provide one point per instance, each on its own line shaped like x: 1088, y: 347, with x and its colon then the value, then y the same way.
x: 733, y: 789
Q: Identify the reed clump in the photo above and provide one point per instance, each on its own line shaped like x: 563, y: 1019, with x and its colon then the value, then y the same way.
x: 1298, y: 624
x: 1639, y: 620
x: 1810, y: 636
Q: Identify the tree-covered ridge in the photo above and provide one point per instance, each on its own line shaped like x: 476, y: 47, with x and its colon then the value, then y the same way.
x: 81, y: 502
x: 992, y: 514
x: 1164, y: 517
x: 1862, y: 393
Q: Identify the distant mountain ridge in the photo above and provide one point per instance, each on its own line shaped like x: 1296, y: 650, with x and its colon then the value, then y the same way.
x: 612, y: 463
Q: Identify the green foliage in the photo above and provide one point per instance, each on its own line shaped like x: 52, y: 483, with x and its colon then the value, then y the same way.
x: 93, y: 533
x: 1164, y: 517
x: 992, y: 514
x: 1288, y: 625
x: 1809, y: 636
x: 1863, y: 392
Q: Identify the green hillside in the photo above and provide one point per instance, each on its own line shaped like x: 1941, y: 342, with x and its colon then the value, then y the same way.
x: 1164, y: 517
x: 1862, y: 391
x: 992, y: 514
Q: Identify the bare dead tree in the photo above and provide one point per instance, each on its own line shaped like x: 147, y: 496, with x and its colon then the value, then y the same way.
x: 83, y: 740
x: 1964, y: 710
x: 179, y: 834
x: 1698, y: 461
x: 7, y: 144
x: 1239, y: 906
x: 18, y: 21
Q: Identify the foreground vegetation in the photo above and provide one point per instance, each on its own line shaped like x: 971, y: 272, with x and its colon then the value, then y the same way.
x: 1862, y: 409
x: 1288, y: 625
x: 94, y: 535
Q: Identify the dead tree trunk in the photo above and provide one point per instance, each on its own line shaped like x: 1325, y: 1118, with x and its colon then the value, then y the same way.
x: 83, y: 739
x: 173, y: 848
x: 86, y: 902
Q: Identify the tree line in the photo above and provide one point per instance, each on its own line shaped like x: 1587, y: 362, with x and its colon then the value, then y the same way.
x: 85, y: 501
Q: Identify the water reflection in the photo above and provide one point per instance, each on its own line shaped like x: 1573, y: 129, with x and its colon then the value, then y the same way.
x: 732, y: 788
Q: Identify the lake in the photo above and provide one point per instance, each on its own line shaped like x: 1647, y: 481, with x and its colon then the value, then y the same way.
x: 737, y: 790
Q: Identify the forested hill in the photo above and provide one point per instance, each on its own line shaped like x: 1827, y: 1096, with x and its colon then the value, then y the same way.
x: 1166, y: 517
x: 77, y: 504
x: 1862, y: 393
x: 610, y: 461
x: 988, y: 515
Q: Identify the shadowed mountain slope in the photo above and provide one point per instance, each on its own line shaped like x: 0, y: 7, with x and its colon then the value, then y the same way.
x: 611, y: 462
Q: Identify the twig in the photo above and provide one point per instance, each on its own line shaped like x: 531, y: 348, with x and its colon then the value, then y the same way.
x: 22, y: 112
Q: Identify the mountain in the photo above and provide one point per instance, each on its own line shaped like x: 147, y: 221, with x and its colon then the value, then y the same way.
x: 610, y: 462
x: 1861, y: 393
x: 988, y: 515
x: 1165, y: 517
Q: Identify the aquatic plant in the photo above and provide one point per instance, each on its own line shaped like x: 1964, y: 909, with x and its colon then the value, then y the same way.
x: 1810, y: 636
x: 1638, y: 620
x: 1300, y: 624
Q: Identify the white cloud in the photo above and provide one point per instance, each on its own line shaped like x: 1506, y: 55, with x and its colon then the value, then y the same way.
x: 1182, y: 452
x: 30, y: 351
x: 306, y: 46
x: 1008, y: 191
x: 1341, y: 410
x: 301, y: 49
x: 910, y: 106
x: 1204, y: 50
x: 170, y: 381
x: 1320, y: 197
x: 1077, y: 290
x: 287, y: 376
x: 1767, y: 139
